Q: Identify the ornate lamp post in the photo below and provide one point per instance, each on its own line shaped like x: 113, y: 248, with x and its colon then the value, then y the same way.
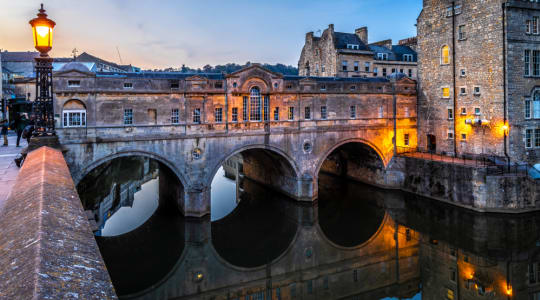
x: 42, y: 108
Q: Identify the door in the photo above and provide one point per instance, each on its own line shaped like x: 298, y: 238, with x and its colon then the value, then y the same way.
x: 432, y: 143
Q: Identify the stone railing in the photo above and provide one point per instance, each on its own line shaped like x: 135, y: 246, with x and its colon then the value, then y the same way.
x: 47, y: 250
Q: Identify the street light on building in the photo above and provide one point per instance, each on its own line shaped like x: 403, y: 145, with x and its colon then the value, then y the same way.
x: 42, y: 109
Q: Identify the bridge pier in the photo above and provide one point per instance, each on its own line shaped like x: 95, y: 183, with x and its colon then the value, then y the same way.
x: 195, y: 202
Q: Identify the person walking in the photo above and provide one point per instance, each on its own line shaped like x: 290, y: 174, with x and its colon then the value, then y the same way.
x: 4, y: 132
x: 20, y: 124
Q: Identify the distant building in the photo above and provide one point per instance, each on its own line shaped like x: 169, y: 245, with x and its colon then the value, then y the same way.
x: 339, y: 54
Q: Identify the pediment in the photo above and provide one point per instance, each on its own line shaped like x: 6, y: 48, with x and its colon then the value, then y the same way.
x: 406, y: 80
x: 73, y: 73
x: 307, y: 81
x: 196, y: 78
x: 255, y: 69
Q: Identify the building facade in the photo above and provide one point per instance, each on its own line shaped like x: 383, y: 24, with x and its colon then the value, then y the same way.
x: 479, y: 70
x: 339, y: 54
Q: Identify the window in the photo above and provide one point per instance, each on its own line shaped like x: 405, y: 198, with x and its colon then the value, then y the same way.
x: 401, y: 71
x: 352, y: 87
x: 462, y: 73
x: 307, y: 113
x: 74, y: 83
x: 477, y: 111
x: 323, y: 112
x: 461, y: 32
x: 463, y: 136
x: 477, y: 90
x: 276, y: 114
x: 353, y: 46
x: 449, y: 294
x: 266, y: 108
x: 463, y: 111
x: 381, y: 111
x: 375, y: 70
x: 410, y: 72
x: 527, y: 108
x: 289, y: 86
x: 323, y: 87
x: 535, y: 25
x: 352, y: 111
x: 382, y: 56
x: 527, y: 60
x: 317, y: 68
x: 310, y: 287
x: 291, y: 113
x: 344, y: 65
x: 128, y: 116
x: 218, y: 85
x: 197, y: 116
x: 450, y: 114
x: 356, y: 66
x: 128, y: 85
x: 445, y: 55
x: 537, y: 137
x: 463, y: 91
x: 218, y: 114
x: 536, y: 105
x: 323, y: 69
x: 536, y: 62
x: 406, y: 139
x: 384, y: 72
x: 528, y: 26
x: 74, y: 118
x: 453, y: 275
x: 175, y: 116
x: 407, y: 57
x: 235, y: 114
x: 393, y: 70
x: 367, y: 65
x: 450, y: 134
x: 456, y: 10
x: 174, y: 85
x: 355, y: 275
x: 446, y: 92
x: 234, y: 85
x: 406, y: 112
x: 255, y: 104
x: 534, y: 272
x: 245, y: 108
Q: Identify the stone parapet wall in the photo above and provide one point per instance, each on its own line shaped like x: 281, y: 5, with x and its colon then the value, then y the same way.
x: 47, y: 250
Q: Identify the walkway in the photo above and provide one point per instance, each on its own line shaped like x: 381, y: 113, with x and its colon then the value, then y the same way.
x: 446, y: 159
x: 8, y: 169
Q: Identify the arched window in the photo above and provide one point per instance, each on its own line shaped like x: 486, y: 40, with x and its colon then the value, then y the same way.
x: 255, y: 104
x: 74, y: 114
x: 445, y: 55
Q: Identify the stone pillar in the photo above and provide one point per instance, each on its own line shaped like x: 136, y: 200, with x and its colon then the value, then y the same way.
x: 196, y: 201
x: 307, y: 188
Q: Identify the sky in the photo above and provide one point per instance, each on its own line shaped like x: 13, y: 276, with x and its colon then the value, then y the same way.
x: 169, y: 33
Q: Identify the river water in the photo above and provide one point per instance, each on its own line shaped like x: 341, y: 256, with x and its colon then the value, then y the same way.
x: 355, y: 242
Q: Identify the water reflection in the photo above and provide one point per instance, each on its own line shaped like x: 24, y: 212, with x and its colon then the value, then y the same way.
x: 355, y: 242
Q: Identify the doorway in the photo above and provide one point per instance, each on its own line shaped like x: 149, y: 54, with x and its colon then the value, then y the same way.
x: 432, y: 143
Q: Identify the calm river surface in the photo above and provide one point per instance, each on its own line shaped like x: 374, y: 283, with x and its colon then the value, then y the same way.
x: 355, y: 242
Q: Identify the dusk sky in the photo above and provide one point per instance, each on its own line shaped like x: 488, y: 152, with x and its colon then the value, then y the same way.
x: 160, y: 34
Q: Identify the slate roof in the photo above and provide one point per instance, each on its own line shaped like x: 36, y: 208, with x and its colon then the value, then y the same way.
x: 342, y: 39
x: 85, y: 57
x: 160, y: 75
x: 19, y: 56
x: 337, y: 79
x: 394, y: 54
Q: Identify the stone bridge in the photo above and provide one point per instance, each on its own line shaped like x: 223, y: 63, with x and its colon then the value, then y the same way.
x: 287, y: 128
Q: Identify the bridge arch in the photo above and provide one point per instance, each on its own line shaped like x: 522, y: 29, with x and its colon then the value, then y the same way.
x: 85, y: 170
x: 282, y: 154
x: 375, y: 161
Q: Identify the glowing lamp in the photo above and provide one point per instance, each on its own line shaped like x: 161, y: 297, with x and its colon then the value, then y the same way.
x: 505, y: 128
x: 42, y: 31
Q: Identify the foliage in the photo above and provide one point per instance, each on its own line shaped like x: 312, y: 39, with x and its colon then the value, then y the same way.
x: 231, y: 67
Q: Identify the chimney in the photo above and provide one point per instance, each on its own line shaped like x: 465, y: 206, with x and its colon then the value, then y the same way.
x: 362, y: 34
x: 309, y: 37
x: 411, y: 42
x: 331, y: 27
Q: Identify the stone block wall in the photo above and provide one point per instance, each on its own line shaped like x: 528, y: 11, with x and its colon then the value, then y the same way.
x: 47, y: 249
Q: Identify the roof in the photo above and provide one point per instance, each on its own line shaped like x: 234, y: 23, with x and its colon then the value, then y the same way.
x: 74, y: 66
x: 337, y: 79
x: 19, y: 56
x: 160, y: 75
x: 343, y: 39
x: 85, y: 57
x: 396, y: 53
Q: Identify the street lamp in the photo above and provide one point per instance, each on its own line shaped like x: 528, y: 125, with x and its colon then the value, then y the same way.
x: 42, y: 107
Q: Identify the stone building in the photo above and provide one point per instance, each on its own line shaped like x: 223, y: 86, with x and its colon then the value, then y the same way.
x: 479, y: 70
x: 343, y: 54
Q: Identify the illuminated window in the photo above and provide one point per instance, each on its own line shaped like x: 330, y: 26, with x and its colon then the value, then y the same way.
x: 445, y: 55
x: 406, y: 139
x: 175, y: 116
x: 446, y: 92
x: 291, y: 113
x: 235, y: 114
x: 449, y: 294
x: 218, y: 114
x: 255, y: 104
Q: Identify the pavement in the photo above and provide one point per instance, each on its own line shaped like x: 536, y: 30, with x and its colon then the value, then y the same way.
x: 8, y: 169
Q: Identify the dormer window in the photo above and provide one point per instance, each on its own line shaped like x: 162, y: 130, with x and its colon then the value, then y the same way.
x: 128, y: 85
x: 407, y: 57
x: 74, y: 83
x: 382, y: 56
x: 353, y: 46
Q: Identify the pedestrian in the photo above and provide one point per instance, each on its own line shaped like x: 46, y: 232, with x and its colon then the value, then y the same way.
x: 20, y: 124
x: 4, y: 132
